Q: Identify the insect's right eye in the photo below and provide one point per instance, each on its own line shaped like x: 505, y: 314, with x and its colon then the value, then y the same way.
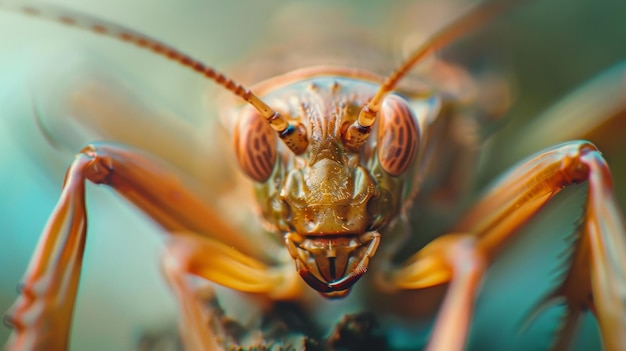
x: 255, y: 146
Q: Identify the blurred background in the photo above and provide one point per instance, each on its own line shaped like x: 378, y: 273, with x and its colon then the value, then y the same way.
x: 543, y: 49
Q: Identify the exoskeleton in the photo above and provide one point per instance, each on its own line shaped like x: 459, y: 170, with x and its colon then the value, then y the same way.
x: 342, y: 161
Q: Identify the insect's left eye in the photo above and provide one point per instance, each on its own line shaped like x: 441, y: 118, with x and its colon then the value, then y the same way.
x: 398, y: 136
x: 255, y: 146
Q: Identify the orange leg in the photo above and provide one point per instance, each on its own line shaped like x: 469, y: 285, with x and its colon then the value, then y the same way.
x: 42, y: 314
x: 596, y: 280
x: 203, y: 257
x: 453, y: 258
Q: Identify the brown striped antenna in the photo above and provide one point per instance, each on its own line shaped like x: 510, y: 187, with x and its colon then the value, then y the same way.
x: 293, y: 136
x: 357, y: 133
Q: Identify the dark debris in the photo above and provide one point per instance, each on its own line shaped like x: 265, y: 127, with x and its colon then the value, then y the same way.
x: 287, y: 329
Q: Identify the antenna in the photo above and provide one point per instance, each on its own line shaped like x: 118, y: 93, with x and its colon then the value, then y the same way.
x: 293, y: 136
x: 475, y: 17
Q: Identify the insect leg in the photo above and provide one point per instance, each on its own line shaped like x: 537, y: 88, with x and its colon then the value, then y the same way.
x: 596, y: 280
x: 42, y: 314
x: 597, y: 277
x: 453, y: 259
x: 199, y: 256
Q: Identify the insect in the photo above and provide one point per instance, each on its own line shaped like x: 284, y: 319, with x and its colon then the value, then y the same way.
x: 326, y: 279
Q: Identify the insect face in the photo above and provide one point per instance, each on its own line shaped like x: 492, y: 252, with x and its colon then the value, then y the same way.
x: 330, y: 201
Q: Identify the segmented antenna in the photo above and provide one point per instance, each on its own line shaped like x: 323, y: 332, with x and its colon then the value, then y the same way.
x: 293, y: 136
x: 358, y: 132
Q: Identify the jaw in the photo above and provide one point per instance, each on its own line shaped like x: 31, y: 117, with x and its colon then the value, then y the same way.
x: 336, y: 294
x: 335, y: 289
x: 331, y: 264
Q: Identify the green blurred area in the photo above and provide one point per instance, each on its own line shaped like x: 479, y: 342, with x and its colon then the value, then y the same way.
x: 557, y: 47
x: 547, y: 48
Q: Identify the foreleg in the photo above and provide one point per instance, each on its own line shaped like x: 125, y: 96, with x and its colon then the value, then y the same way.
x: 597, y: 277
x: 42, y: 314
x: 192, y: 255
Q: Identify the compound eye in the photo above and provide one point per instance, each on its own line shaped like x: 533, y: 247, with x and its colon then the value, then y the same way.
x: 398, y: 136
x: 255, y: 146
